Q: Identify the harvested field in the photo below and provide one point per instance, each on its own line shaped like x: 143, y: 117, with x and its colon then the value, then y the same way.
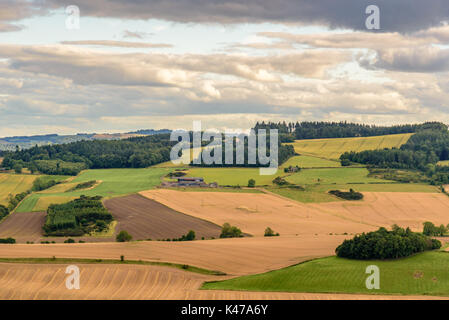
x: 238, y: 256
x: 385, y: 208
x: 23, y: 226
x: 252, y: 213
x: 289, y: 217
x: 147, y: 219
x: 41, y: 282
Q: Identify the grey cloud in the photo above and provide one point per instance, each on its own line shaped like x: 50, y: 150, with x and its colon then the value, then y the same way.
x: 423, y: 59
x: 398, y: 15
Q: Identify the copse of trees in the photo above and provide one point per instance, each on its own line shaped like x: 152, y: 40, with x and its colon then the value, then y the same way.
x: 123, y: 236
x: 77, y: 217
x: 3, y: 211
x: 384, y: 244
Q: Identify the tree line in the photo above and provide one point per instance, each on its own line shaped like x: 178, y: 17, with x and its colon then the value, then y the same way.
x: 321, y: 129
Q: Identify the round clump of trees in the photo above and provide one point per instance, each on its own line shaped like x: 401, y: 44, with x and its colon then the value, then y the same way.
x: 384, y: 244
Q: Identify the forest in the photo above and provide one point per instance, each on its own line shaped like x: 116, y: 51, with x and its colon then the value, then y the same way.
x: 321, y: 130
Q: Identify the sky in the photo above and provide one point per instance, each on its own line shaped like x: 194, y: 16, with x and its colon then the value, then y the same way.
x: 122, y: 65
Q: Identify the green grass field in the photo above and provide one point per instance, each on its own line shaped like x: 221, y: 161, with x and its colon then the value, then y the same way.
x: 13, y: 184
x: 231, y: 176
x: 332, y: 175
x: 311, y: 162
x: 318, y: 193
x: 115, y: 182
x: 422, y: 274
x: 333, y: 148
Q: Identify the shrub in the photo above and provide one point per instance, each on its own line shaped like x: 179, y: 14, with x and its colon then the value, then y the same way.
x: 229, y: 231
x: 430, y: 229
x: 8, y: 240
x: 69, y: 240
x: 251, y: 183
x: 351, y: 195
x: 384, y: 244
x: 123, y: 236
x: 280, y: 181
x: 270, y: 233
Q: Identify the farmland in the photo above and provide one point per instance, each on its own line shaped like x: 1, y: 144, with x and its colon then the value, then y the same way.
x: 14, y: 184
x: 332, y: 175
x: 333, y: 148
x: 147, y: 219
x: 114, y: 182
x: 231, y: 176
x: 422, y: 274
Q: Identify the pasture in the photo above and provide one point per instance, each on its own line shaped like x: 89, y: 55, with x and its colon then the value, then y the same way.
x: 114, y: 182
x: 333, y: 148
x: 422, y: 274
x: 231, y: 176
x: 311, y: 162
x: 332, y: 175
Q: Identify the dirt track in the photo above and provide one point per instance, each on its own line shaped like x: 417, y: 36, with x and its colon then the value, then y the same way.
x: 147, y: 219
x: 28, y: 281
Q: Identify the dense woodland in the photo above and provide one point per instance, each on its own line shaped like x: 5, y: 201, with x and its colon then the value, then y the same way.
x: 384, y: 244
x: 422, y: 152
x: 71, y: 158
x: 319, y: 130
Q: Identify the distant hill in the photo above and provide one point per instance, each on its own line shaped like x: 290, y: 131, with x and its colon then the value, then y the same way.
x: 26, y: 142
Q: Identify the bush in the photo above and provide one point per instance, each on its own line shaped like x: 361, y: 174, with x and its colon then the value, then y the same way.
x: 384, y: 244
x: 270, y: 233
x: 430, y: 229
x: 123, y: 236
x: 351, y: 195
x: 17, y: 168
x: 251, y: 183
x: 229, y: 231
x: 345, y: 162
x: 69, y: 240
x: 8, y: 240
x: 280, y: 181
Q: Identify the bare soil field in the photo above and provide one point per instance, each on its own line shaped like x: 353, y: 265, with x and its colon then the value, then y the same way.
x: 385, y: 208
x: 147, y: 219
x: 252, y: 212
x: 238, y: 256
x: 23, y: 226
x: 41, y: 282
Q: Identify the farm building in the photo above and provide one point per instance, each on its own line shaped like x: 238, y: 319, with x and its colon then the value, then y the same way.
x: 191, y: 182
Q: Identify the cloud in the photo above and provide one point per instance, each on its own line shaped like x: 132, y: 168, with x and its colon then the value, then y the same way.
x: 113, y: 43
x: 400, y: 15
x: 136, y: 34
x: 421, y: 59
